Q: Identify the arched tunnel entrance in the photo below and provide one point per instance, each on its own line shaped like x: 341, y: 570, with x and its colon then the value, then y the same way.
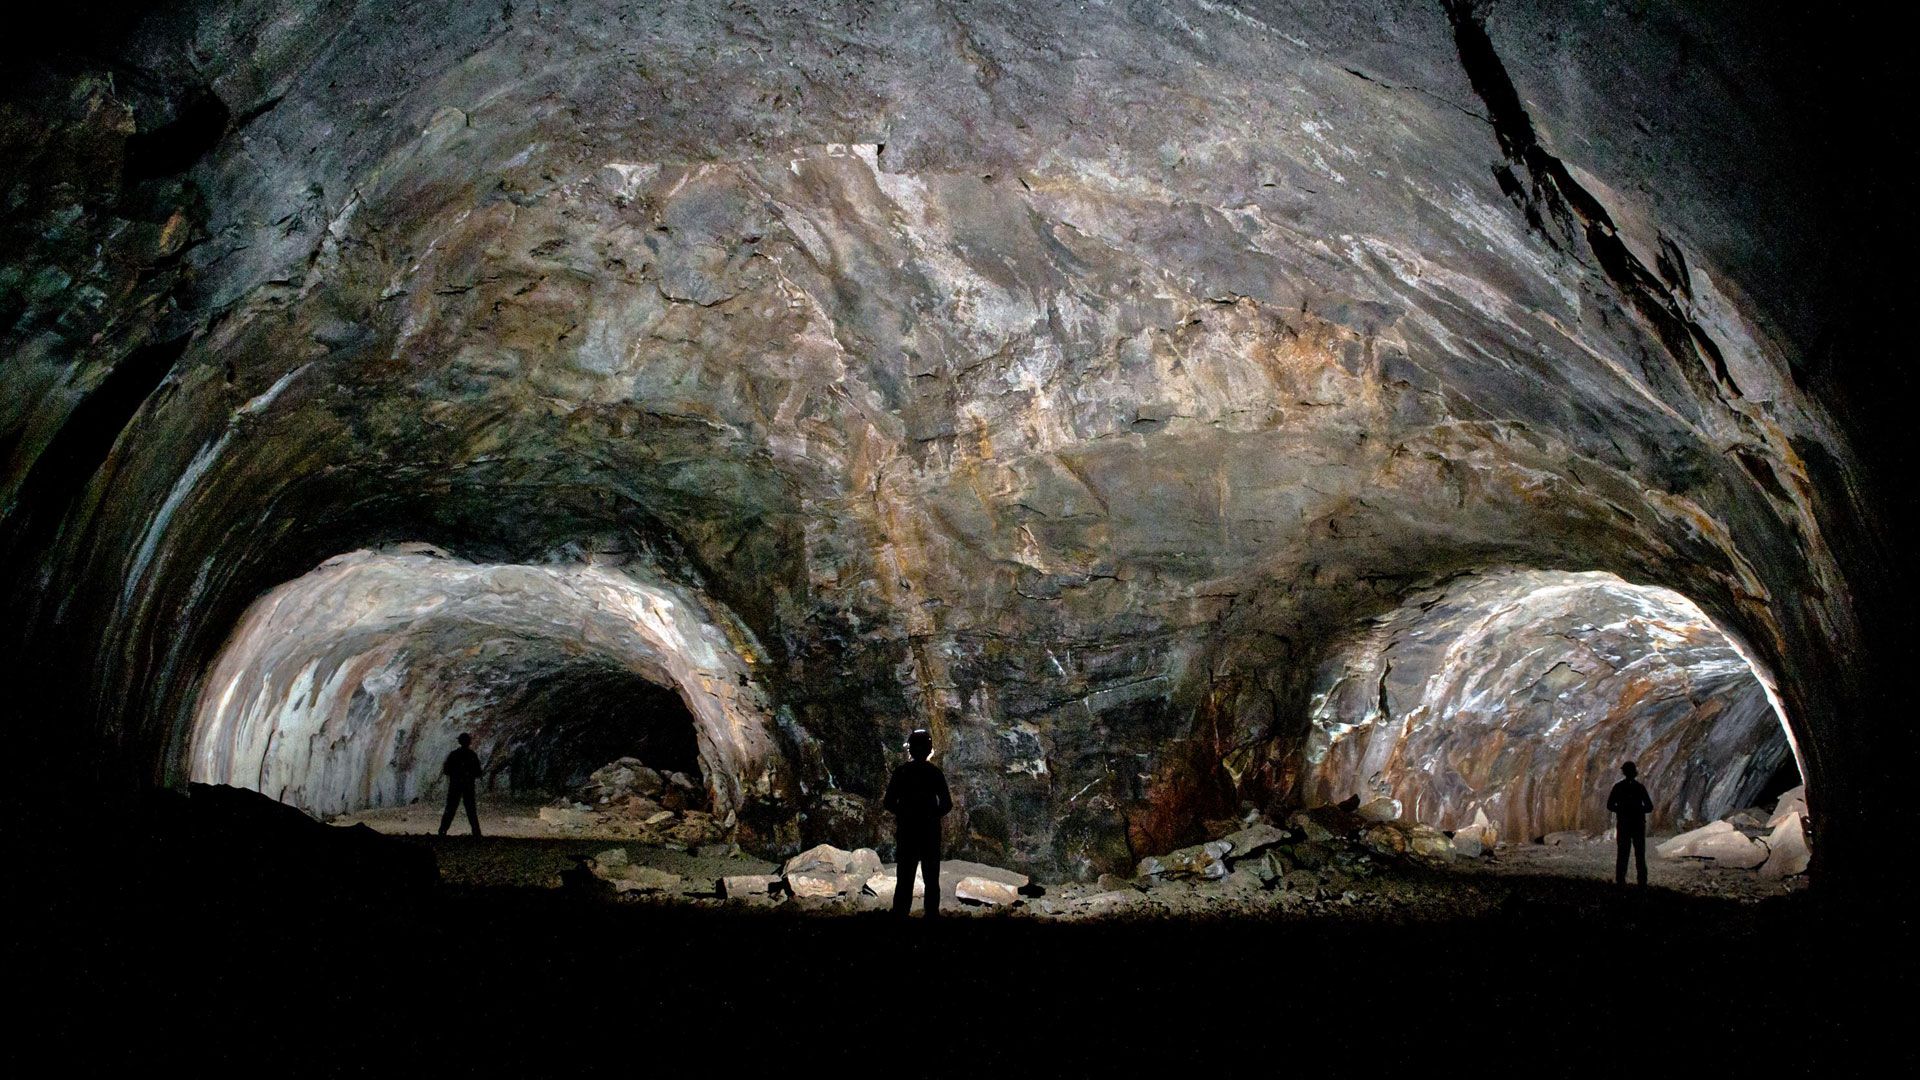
x: 344, y: 689
x: 1514, y: 697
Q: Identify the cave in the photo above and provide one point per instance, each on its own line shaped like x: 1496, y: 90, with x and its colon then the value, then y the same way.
x: 1287, y: 456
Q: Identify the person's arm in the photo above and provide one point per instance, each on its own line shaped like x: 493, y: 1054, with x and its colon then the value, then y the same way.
x: 1613, y: 800
x: 945, y: 799
x: 1646, y: 802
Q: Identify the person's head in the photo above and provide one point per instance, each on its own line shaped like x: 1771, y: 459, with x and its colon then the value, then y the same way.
x: 465, y: 738
x: 1630, y: 769
x: 920, y: 744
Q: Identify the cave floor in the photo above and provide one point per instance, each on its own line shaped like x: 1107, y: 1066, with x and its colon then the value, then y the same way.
x: 518, y: 849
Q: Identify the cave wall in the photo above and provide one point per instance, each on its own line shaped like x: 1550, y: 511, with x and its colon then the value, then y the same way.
x: 1063, y: 379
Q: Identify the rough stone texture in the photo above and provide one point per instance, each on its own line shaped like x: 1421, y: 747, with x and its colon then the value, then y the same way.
x: 1518, y: 695
x: 1062, y: 378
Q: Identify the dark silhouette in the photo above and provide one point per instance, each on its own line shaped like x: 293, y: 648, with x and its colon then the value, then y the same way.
x: 917, y: 797
x: 1630, y: 805
x: 461, y: 770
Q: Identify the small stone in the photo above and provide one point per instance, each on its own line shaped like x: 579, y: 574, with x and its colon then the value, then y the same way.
x: 612, y: 858
x: 746, y: 886
x: 660, y: 818
x: 646, y: 879
x: 1564, y: 837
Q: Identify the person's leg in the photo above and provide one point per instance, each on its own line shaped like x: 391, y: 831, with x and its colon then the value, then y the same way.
x: 930, y: 866
x: 1640, y: 854
x: 1622, y: 839
x: 453, y: 804
x: 473, y: 811
x: 903, y: 880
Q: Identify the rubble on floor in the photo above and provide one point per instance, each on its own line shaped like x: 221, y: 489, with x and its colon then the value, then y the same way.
x: 626, y: 799
x: 1775, y: 843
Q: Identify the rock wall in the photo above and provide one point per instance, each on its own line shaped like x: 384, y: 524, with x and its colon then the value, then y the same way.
x: 1062, y: 378
x: 1520, y: 694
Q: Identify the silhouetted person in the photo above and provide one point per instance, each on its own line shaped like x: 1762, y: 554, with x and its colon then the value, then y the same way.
x: 1630, y: 805
x: 461, y: 770
x: 917, y: 797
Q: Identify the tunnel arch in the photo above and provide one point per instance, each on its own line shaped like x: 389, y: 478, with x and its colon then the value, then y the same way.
x: 1512, y: 696
x: 316, y: 698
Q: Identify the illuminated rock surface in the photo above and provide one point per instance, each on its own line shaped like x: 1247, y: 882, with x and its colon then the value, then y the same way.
x: 1068, y: 380
x: 1517, y: 696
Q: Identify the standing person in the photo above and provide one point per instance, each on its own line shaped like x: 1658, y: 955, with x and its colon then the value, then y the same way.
x: 1630, y: 805
x: 917, y: 797
x: 461, y: 770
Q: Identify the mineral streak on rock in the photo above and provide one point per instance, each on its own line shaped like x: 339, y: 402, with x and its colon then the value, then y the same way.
x: 1064, y: 378
x: 1519, y: 694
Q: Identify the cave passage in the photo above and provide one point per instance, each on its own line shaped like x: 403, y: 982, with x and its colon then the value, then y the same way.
x: 344, y: 689
x: 1516, y: 695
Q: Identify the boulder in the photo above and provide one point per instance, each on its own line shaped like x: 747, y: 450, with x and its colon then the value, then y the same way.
x: 1253, y: 840
x: 820, y: 883
x: 1681, y: 846
x: 1788, y: 805
x: 746, y: 886
x: 1379, y: 810
x: 1385, y: 839
x: 1787, y: 851
x: 1309, y: 827
x: 865, y: 863
x: 820, y: 857
x: 1427, y: 842
x: 645, y: 879
x: 1268, y: 867
x: 1467, y: 843
x: 1104, y: 903
x: 1206, y: 860
x: 882, y: 884
x: 980, y: 890
x: 1720, y: 842
x: 612, y: 860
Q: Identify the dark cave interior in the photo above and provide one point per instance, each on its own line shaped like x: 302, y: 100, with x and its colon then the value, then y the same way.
x: 1288, y: 456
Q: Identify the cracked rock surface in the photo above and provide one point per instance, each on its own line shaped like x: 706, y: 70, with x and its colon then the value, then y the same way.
x: 1065, y: 379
